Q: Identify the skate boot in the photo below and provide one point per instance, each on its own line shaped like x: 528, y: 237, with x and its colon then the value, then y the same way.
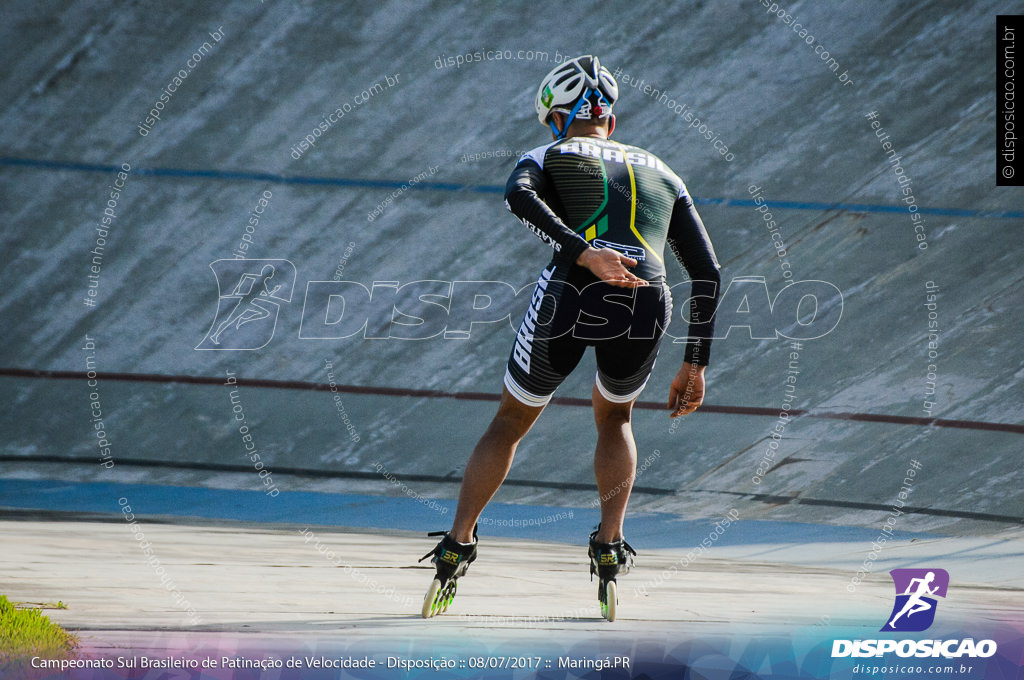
x: 608, y: 560
x: 452, y: 559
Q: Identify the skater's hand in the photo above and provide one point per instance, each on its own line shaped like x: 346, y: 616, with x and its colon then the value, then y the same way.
x: 610, y: 266
x: 687, y: 390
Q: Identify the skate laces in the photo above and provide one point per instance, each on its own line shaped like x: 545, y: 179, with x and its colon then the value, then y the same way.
x: 628, y: 554
x: 463, y: 549
x: 620, y: 547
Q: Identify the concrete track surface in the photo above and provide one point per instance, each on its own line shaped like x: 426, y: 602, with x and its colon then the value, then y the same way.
x: 271, y: 592
x: 83, y: 75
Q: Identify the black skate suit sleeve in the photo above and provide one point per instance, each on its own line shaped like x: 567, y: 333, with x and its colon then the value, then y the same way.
x: 525, y: 195
x: 691, y: 245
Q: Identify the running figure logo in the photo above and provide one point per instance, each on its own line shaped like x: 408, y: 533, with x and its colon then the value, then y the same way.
x: 247, y: 315
x: 914, y: 610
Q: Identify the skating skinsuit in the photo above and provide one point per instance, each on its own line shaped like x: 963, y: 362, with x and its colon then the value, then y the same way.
x: 584, y: 191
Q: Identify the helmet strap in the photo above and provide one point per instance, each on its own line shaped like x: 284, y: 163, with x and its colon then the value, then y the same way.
x: 560, y: 134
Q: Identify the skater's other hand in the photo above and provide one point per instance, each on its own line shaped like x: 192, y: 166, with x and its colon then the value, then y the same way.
x: 687, y: 390
x: 610, y: 266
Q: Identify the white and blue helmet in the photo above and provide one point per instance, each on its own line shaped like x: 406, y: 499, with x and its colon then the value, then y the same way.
x: 570, y: 88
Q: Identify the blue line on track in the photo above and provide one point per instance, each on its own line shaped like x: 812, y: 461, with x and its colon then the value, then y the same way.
x: 309, y: 508
x: 474, y: 188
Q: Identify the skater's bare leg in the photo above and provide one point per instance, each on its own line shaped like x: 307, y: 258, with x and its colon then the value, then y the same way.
x: 614, y: 463
x: 490, y: 462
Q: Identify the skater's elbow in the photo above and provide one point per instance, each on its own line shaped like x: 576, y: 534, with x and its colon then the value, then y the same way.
x: 707, y: 270
x: 518, y: 196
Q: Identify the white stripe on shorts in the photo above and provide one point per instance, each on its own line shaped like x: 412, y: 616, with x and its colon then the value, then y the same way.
x: 614, y: 398
x: 522, y: 395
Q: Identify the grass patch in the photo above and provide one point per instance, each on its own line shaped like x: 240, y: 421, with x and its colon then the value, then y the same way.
x: 25, y: 633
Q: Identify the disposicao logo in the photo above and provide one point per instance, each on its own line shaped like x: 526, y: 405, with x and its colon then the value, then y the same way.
x: 247, y: 314
x: 912, y: 612
x: 914, y: 609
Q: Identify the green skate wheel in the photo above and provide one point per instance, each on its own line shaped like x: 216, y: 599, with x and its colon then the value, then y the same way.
x: 431, y: 599
x: 611, y: 598
x: 449, y: 594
